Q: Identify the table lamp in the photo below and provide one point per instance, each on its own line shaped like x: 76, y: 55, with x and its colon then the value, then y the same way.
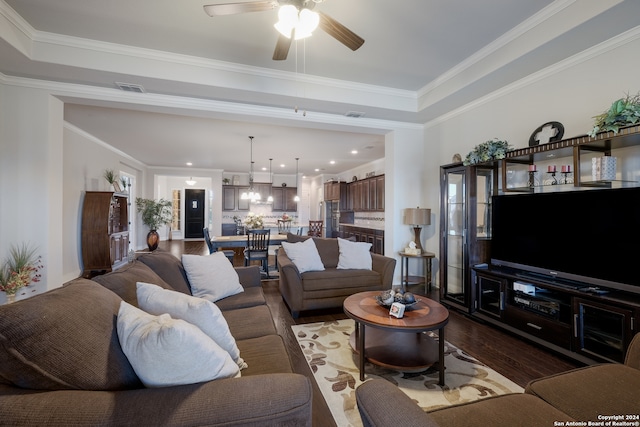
x: 417, y: 217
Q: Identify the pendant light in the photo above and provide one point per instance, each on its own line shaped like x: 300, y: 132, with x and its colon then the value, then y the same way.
x: 252, y: 195
x: 270, y: 198
x: 190, y: 181
x: 297, y: 198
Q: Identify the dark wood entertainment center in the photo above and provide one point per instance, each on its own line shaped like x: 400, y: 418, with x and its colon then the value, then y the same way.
x: 589, y: 323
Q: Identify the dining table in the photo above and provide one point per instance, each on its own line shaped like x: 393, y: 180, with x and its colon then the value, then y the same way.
x: 240, y: 241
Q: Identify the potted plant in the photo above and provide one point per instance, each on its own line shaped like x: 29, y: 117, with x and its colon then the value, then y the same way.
x: 19, y: 270
x: 110, y: 176
x: 489, y: 150
x: 154, y: 215
x: 623, y: 112
x: 226, y: 181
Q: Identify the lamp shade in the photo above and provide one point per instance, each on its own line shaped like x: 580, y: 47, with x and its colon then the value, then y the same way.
x: 417, y: 216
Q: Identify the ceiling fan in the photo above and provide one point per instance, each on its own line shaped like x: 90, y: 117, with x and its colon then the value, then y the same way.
x: 296, y: 21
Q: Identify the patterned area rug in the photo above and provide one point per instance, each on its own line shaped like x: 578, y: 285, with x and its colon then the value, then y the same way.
x: 334, y: 366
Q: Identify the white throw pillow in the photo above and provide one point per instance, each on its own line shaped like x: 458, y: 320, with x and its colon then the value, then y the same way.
x: 166, y: 352
x: 211, y: 277
x: 204, y: 314
x: 354, y: 255
x: 304, y: 255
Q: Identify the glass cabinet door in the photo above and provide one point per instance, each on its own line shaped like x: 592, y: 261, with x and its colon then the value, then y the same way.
x: 455, y: 234
x: 485, y: 188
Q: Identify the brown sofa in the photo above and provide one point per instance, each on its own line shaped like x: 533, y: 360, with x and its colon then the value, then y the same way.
x: 61, y: 362
x: 328, y: 289
x: 583, y: 395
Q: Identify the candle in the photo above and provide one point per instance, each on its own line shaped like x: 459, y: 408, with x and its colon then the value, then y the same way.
x: 566, y: 168
x: 532, y: 168
x: 552, y: 168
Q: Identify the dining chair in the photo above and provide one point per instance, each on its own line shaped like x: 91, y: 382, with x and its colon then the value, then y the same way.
x: 258, y: 248
x: 284, y: 226
x: 207, y: 238
x: 315, y: 228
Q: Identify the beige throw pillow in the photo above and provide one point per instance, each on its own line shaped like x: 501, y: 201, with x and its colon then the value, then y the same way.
x: 166, y: 352
x: 211, y: 277
x: 197, y: 311
x: 304, y: 255
x: 354, y: 255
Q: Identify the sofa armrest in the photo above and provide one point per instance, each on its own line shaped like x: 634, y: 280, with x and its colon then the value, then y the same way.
x: 274, y: 399
x: 249, y: 276
x: 633, y: 353
x: 290, y: 283
x: 385, y: 266
x: 382, y: 404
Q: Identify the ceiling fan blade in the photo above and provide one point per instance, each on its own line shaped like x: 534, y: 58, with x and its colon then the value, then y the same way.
x: 242, y: 7
x: 282, y: 48
x: 340, y: 32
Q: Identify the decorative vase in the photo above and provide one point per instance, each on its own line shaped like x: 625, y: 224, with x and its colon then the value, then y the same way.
x: 11, y: 298
x: 152, y: 240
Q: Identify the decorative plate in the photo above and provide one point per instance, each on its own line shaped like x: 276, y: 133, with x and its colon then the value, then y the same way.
x: 407, y: 306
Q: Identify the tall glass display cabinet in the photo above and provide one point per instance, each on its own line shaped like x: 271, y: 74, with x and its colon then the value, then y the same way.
x: 465, y: 222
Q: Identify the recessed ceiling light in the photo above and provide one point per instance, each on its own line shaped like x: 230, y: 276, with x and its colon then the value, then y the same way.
x: 189, y: 164
x: 317, y: 169
x: 282, y: 165
x: 264, y: 168
x: 333, y: 162
x: 354, y: 151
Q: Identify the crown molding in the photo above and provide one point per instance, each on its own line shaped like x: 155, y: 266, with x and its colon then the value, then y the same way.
x: 613, y: 43
x: 184, y: 105
x: 540, y: 28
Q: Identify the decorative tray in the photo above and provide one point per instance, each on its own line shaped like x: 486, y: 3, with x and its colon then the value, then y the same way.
x: 407, y: 306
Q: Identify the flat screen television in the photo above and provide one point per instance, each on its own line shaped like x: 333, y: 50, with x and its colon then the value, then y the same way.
x: 588, y: 237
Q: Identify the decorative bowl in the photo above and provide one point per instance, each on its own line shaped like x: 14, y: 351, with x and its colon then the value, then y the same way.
x: 382, y: 303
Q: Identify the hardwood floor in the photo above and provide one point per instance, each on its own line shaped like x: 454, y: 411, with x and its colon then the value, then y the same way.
x: 511, y: 356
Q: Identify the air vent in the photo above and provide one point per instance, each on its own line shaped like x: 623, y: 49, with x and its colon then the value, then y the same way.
x: 130, y: 87
x: 356, y: 114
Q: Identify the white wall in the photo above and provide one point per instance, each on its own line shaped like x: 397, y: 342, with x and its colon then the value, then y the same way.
x: 31, y: 175
x: 85, y: 159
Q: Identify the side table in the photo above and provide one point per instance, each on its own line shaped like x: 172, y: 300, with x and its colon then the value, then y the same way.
x: 426, y: 257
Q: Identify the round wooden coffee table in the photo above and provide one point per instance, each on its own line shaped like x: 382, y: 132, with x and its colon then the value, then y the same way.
x: 400, y: 344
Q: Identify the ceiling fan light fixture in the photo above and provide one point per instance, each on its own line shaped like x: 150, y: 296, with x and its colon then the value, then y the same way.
x: 303, y: 22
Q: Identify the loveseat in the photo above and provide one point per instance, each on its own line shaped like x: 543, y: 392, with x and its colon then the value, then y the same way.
x: 61, y: 361
x: 328, y: 288
x: 595, y: 395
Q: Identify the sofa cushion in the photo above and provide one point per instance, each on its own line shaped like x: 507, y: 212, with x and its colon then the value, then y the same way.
x: 212, y: 276
x: 169, y: 268
x: 166, y: 352
x: 123, y: 280
x: 506, y: 410
x: 585, y: 393
x: 340, y: 281
x: 354, y: 255
x: 304, y: 255
x: 265, y: 355
x: 65, y: 339
x: 250, y: 322
x: 251, y: 297
x: 197, y: 311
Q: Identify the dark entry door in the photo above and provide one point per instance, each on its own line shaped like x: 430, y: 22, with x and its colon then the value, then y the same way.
x: 193, y: 213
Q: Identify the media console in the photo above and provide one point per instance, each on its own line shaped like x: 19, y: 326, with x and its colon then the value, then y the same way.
x: 590, y: 324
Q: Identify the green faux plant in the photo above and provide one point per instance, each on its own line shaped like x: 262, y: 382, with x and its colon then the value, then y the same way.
x: 154, y: 213
x: 20, y: 269
x: 110, y: 176
x: 623, y: 112
x: 488, y: 150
